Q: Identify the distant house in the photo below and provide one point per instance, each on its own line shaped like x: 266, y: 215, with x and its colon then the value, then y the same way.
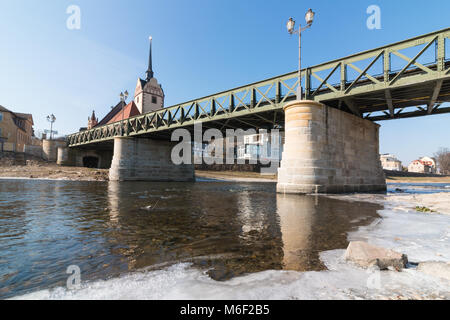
x: 423, y: 165
x: 16, y: 130
x: 431, y: 162
x: 259, y: 147
x: 390, y: 162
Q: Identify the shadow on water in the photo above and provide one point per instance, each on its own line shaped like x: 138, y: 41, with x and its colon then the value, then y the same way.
x: 107, y: 229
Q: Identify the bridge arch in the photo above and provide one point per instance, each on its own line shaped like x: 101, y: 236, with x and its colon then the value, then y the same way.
x: 91, y: 161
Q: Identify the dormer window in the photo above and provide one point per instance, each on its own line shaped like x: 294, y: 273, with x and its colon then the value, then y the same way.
x: 154, y: 99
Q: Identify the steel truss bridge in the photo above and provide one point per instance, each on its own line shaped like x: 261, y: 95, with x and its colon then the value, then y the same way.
x: 410, y: 78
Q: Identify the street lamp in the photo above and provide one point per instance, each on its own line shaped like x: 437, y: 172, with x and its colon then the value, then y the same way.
x: 51, y: 118
x: 309, y: 18
x: 123, y: 98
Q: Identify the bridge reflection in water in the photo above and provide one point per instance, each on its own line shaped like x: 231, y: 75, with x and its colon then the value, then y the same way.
x: 229, y: 229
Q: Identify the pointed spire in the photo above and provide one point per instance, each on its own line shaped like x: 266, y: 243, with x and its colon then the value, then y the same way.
x: 150, y: 67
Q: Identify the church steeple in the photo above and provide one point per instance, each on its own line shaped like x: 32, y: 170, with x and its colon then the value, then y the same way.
x: 149, y: 95
x: 92, y: 121
x: 150, y: 67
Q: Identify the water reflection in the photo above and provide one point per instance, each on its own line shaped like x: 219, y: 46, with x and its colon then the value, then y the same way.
x: 296, y: 214
x: 227, y: 229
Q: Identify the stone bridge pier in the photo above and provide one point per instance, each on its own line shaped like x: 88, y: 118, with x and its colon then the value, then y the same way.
x: 143, y: 159
x: 328, y: 151
x: 91, y: 158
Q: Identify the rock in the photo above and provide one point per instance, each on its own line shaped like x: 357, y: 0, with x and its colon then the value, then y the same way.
x: 367, y: 255
x: 435, y: 268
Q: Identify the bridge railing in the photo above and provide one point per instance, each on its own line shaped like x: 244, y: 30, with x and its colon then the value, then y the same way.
x: 369, y: 71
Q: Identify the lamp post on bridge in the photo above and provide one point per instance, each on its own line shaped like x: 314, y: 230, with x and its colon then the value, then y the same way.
x: 123, y: 98
x: 51, y: 118
x: 309, y: 18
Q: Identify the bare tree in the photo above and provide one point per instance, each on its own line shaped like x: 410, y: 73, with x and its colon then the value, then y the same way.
x: 443, y: 160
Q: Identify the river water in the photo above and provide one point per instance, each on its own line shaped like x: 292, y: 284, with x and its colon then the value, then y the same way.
x: 108, y: 229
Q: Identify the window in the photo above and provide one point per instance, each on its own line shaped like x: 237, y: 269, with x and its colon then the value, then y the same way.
x: 1, y: 117
x: 0, y: 131
x: 154, y: 99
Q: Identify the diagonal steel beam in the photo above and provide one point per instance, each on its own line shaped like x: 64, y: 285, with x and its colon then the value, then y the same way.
x: 436, y: 107
x: 413, y: 60
x: 412, y: 114
x: 417, y: 64
x: 435, y: 95
x: 245, y: 122
x: 266, y: 120
x: 324, y: 81
x: 352, y: 106
x: 364, y: 72
x: 374, y: 80
x: 225, y: 124
x: 388, y: 96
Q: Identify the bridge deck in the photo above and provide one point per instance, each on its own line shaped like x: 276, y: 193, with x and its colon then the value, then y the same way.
x: 379, y: 84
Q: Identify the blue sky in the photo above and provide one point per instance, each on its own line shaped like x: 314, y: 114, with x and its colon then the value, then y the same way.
x: 200, y: 47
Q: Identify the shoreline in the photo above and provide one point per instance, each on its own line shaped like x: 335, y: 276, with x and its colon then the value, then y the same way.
x: 47, y: 171
x: 443, y: 179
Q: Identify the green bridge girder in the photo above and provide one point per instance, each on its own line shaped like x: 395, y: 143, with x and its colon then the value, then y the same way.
x: 375, y: 92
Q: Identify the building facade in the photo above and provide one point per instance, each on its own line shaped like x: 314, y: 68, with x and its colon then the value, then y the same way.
x: 390, y: 162
x: 16, y: 130
x: 423, y: 165
x: 261, y: 147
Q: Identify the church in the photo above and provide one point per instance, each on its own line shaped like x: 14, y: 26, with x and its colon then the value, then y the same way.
x: 148, y: 97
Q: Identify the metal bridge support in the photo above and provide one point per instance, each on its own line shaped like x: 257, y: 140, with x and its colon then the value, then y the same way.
x: 329, y: 151
x: 143, y: 159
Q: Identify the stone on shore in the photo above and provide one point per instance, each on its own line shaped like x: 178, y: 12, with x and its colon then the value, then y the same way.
x: 435, y: 268
x: 366, y: 255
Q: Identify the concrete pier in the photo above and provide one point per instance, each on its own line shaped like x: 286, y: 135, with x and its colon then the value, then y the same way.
x: 66, y: 156
x: 329, y: 151
x: 142, y: 159
x: 100, y: 159
x: 50, y: 149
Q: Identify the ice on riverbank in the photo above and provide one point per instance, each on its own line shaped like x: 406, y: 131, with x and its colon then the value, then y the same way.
x: 422, y: 236
x: 438, y: 202
x: 342, y: 281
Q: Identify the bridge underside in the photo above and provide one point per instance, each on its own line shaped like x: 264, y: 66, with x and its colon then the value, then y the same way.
x: 415, y: 100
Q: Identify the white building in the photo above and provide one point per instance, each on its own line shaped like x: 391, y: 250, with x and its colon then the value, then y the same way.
x: 390, y: 162
x: 423, y: 165
x: 260, y: 147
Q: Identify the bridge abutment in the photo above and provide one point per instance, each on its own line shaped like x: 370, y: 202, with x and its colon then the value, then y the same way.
x: 329, y: 151
x: 143, y: 159
x: 75, y: 157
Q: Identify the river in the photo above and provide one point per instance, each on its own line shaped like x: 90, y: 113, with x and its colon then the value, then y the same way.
x: 108, y: 229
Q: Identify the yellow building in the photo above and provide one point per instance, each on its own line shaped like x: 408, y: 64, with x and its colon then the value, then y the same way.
x: 16, y: 130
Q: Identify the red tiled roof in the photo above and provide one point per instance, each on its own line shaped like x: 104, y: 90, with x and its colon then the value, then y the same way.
x: 425, y: 163
x: 130, y: 110
x: 111, y: 114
